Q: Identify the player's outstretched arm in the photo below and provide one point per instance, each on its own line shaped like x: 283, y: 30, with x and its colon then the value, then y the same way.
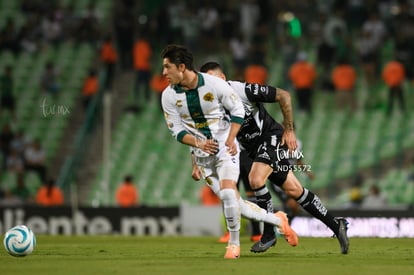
x: 285, y: 102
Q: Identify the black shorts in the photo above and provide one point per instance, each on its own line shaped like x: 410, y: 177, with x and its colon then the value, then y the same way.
x: 271, y: 152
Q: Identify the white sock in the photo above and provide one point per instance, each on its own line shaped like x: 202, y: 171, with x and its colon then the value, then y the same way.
x: 252, y: 211
x: 231, y: 210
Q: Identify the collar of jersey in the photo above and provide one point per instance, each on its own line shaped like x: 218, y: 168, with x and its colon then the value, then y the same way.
x: 200, y: 82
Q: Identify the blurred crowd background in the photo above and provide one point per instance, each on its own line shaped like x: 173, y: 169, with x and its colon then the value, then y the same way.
x: 65, y: 65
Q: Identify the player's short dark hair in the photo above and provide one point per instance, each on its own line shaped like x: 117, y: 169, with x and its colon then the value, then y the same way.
x: 212, y: 65
x: 177, y: 55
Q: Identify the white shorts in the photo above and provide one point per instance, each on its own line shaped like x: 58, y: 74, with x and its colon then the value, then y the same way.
x: 222, y: 166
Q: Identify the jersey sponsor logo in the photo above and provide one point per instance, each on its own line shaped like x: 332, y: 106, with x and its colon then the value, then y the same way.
x: 208, y: 97
x: 252, y: 88
x: 264, y: 155
x: 251, y: 136
x: 256, y: 89
x: 247, y: 110
x: 201, y: 125
x: 233, y: 97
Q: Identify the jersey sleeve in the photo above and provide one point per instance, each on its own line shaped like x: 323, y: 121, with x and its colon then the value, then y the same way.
x: 171, y: 116
x: 260, y: 93
x: 231, y: 101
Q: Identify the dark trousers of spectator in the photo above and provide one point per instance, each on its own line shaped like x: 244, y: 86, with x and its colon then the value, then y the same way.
x: 110, y: 73
x: 142, y: 80
x: 395, y: 93
x: 39, y: 169
x: 304, y: 98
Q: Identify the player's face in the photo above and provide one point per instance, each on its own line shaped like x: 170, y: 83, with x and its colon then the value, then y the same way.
x: 217, y: 73
x: 173, y: 73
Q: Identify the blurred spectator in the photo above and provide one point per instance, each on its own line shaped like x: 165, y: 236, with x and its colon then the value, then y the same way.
x: 334, y: 30
x: 355, y: 198
x: 20, y: 190
x: 35, y: 159
x: 142, y: 53
x: 249, y: 17
x: 370, y: 45
x: 403, y: 30
x: 49, y: 194
x: 355, y: 194
x: 109, y: 57
x: 14, y: 162
x: 344, y: 79
x: 393, y: 75
x: 90, y: 88
x: 356, y: 12
x: 49, y: 80
x: 89, y: 29
x: 6, y: 136
x: 368, y: 61
x: 303, y: 74
x: 8, y: 36
x: 124, y: 19
x: 191, y: 28
x: 256, y: 71
x: 51, y: 29
x: 127, y: 194
x: 239, y: 50
x: 377, y: 32
x: 29, y: 35
x: 20, y: 142
x: 209, y: 18
x: 69, y: 21
x: 375, y: 199
x: 229, y: 20
x: 7, y: 101
x: 208, y: 197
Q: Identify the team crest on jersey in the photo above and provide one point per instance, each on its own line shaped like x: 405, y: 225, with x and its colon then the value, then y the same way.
x: 208, y: 97
x: 179, y: 103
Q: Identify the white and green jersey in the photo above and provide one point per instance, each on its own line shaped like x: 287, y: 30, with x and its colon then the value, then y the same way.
x: 205, y: 112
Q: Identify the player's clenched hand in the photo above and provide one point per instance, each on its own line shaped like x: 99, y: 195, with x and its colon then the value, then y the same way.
x: 289, y: 138
x: 231, y: 147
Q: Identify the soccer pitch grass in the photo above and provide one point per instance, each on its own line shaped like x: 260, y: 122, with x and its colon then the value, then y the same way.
x: 189, y: 255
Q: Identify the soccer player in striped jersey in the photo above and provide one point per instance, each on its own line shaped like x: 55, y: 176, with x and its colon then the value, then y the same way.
x: 204, y: 112
x: 265, y: 141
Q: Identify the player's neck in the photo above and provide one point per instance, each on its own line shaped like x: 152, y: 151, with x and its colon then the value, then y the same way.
x: 190, y: 80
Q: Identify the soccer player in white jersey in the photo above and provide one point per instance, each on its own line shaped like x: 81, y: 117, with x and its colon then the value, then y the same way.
x: 204, y: 112
x: 264, y: 140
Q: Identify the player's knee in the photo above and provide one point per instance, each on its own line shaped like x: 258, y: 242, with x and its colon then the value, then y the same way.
x: 228, y: 194
x: 256, y: 181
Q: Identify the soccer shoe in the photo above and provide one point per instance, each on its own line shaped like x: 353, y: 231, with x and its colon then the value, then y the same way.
x: 260, y: 247
x: 342, y: 236
x: 290, y: 235
x: 255, y: 238
x: 225, y: 238
x: 232, y: 252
